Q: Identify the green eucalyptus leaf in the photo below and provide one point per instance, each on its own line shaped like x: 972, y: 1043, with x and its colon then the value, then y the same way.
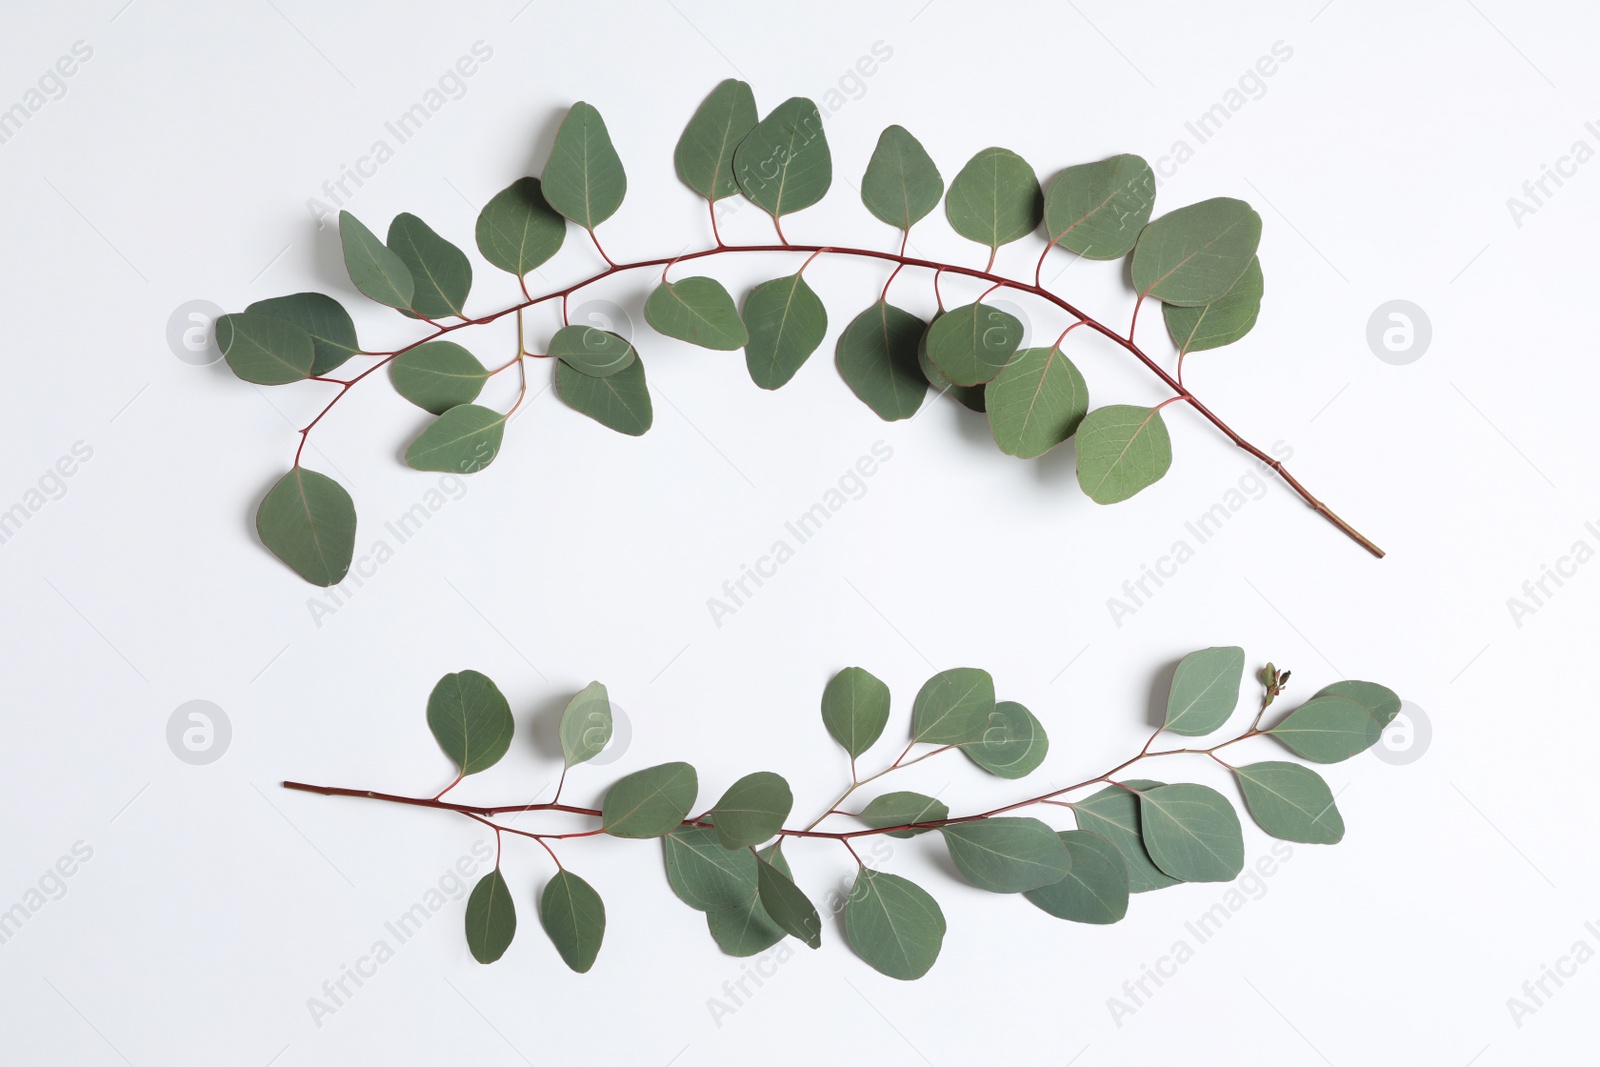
x: 584, y: 179
x: 1006, y: 854
x: 265, y: 349
x: 574, y: 916
x: 373, y: 266
x: 491, y: 918
x: 971, y: 344
x: 333, y: 335
x: 1192, y: 832
x: 903, y: 809
x: 697, y: 310
x: 787, y: 906
x: 704, y: 156
x: 518, y: 230
x: 1122, y: 449
x: 1290, y: 802
x: 1113, y: 813
x: 855, y: 709
x: 1195, y: 254
x: 440, y: 273
x: 309, y: 521
x: 877, y: 357
x: 752, y: 810
x: 1037, y: 401
x: 970, y: 397
x: 1012, y: 744
x: 786, y: 322
x: 1221, y: 322
x: 1381, y: 702
x: 1328, y: 729
x: 953, y: 707
x: 703, y: 874
x: 1205, y: 690
x: 995, y: 199
x: 1095, y: 889
x: 650, y: 802
x: 464, y: 439
x: 586, y: 725
x: 1098, y: 209
x: 471, y: 720
x: 784, y: 165
x: 438, y: 376
x: 592, y: 351
x: 893, y: 924
x: 901, y: 184
x: 620, y: 401
x: 746, y: 928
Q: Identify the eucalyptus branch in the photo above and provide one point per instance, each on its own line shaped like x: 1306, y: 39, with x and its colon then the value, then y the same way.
x: 1198, y: 262
x: 1131, y: 836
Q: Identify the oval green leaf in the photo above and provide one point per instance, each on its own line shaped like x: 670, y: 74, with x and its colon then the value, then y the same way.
x: 1291, y: 802
x: 574, y: 917
x: 438, y: 376
x: 1098, y: 209
x: 752, y: 810
x: 595, y: 352
x: 491, y: 918
x: 995, y: 199
x: 704, y: 156
x: 471, y: 720
x: 787, y: 906
x: 893, y: 924
x: 1205, y: 690
x: 333, y: 335
x: 1328, y: 729
x: 786, y: 322
x: 1195, y: 254
x: 464, y: 439
x: 903, y: 809
x: 1122, y: 449
x: 265, y: 349
x: 901, y: 184
x: 1012, y: 744
x: 650, y: 802
x: 953, y: 707
x: 1037, y: 401
x: 584, y: 179
x: 1221, y: 322
x: 784, y: 164
x: 877, y: 357
x: 441, y: 276
x: 1095, y: 889
x: 746, y: 928
x: 1192, y: 832
x: 309, y: 521
x: 1380, y: 701
x: 620, y: 401
x: 697, y: 310
x: 703, y: 874
x: 971, y: 344
x: 855, y: 709
x: 373, y: 267
x: 518, y: 230
x: 586, y: 725
x: 969, y: 396
x: 1113, y: 813
x: 1007, y: 854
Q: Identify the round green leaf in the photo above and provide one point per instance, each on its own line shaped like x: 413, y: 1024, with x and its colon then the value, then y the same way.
x: 650, y: 802
x: 877, y: 357
x: 586, y: 724
x: 440, y: 273
x: 903, y: 809
x: 969, y: 396
x: 1192, y: 833
x: 786, y: 322
x: 995, y: 199
x: 333, y: 335
x: 1121, y: 450
x: 697, y: 310
x: 584, y: 179
x: 893, y: 924
x: 574, y: 916
x: 491, y: 918
x: 518, y: 230
x: 1221, y: 322
x: 595, y: 352
x: 1095, y: 889
x: 373, y: 267
x: 1006, y: 854
x: 971, y: 344
x: 901, y: 184
x: 1381, y: 702
x: 1036, y: 401
x: 1012, y: 744
x: 855, y: 709
x: 309, y: 521
x: 1205, y: 690
x: 1328, y: 729
x: 787, y: 906
x: 464, y: 439
x: 1195, y: 254
x: 746, y: 928
x: 704, y: 156
x: 1113, y: 813
x: 1290, y: 801
x: 620, y: 401
x: 438, y: 376
x: 752, y: 810
x: 953, y: 707
x: 703, y: 874
x: 1098, y: 209
x: 265, y: 349
x: 784, y: 165
x: 471, y: 720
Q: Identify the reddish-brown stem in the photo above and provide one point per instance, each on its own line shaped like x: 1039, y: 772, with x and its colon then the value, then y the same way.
x: 1126, y: 343
x: 712, y: 205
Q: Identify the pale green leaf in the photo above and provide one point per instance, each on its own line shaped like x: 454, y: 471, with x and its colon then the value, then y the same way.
x: 1007, y: 854
x: 586, y: 724
x: 518, y: 230
x: 953, y: 707
x: 464, y: 439
x: 1037, y: 401
x: 1221, y: 322
x: 704, y: 156
x: 901, y: 184
x: 620, y: 401
x: 903, y: 809
x: 438, y: 376
x: 574, y: 916
x: 786, y: 323
x: 784, y: 164
x: 1098, y: 209
x: 650, y: 802
x: 995, y: 199
x: 877, y: 357
x: 971, y: 344
x: 265, y: 349
x: 787, y: 906
x: 703, y: 874
x: 697, y: 310
x: 595, y: 352
x: 893, y: 924
x: 752, y: 810
x: 969, y: 396
x: 1113, y: 813
x: 1205, y: 690
x: 1328, y: 729
x: 1192, y: 832
x: 1381, y: 702
x: 440, y: 273
x: 855, y: 709
x: 1290, y: 802
x: 373, y: 266
x: 1012, y: 744
x: 1121, y: 450
x: 333, y: 335
x: 309, y: 521
x: 1095, y: 889
x: 584, y: 179
x: 471, y: 720
x: 1195, y: 254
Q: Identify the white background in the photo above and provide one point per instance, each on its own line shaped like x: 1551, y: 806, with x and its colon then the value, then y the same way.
x: 177, y: 167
